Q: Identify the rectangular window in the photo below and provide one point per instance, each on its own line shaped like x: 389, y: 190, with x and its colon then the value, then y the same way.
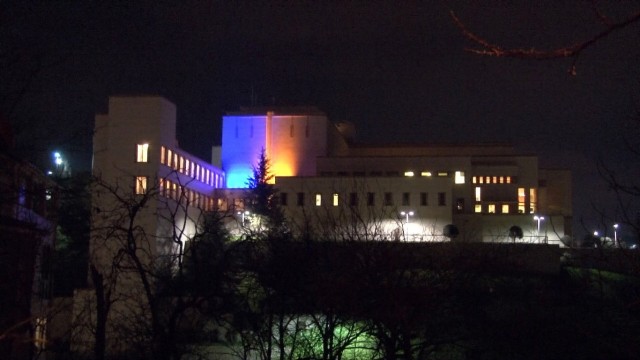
x: 300, y: 199
x: 169, y: 157
x: 425, y: 173
x: 142, y: 153
x: 371, y: 199
x: 408, y: 173
x: 162, y: 155
x: 406, y: 199
x: 181, y: 166
x: 460, y: 204
x: 508, y: 179
x: 187, y: 166
x: 478, y: 194
x: 284, y: 199
x: 353, y: 199
x: 318, y: 199
x: 473, y: 180
x: 424, y: 199
x: 175, y: 160
x: 487, y: 179
x: 141, y: 184
x: 533, y: 200
x: 491, y: 209
x: 388, y: 199
x: 478, y: 208
x: 481, y: 180
x: 442, y: 199
x: 336, y: 199
x: 443, y: 173
x: 459, y: 177
x: 522, y: 198
x: 501, y: 179
x: 505, y: 208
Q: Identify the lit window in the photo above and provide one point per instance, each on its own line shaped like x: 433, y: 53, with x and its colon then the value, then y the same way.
x: 408, y: 173
x: 505, y: 208
x: 522, y: 198
x: 142, y: 153
x: 459, y: 177
x: 533, y: 200
x: 318, y: 199
x: 501, y: 179
x: 478, y: 192
x: 175, y: 160
x: 508, y: 178
x: 169, y: 157
x: 187, y: 165
x: 491, y: 208
x: 141, y: 184
x: 181, y: 167
x: 336, y: 199
x: 425, y: 173
x: 495, y: 179
x: 443, y: 173
x: 481, y: 180
x: 478, y: 208
x: 162, y: 155
x: 473, y: 180
x: 487, y: 179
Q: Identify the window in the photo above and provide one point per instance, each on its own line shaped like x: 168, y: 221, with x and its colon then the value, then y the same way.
x: 425, y: 173
x: 318, y: 199
x: 300, y: 199
x: 491, y: 208
x: 371, y: 199
x: 508, y: 179
x: 142, y: 153
x: 181, y: 166
x: 505, y: 208
x: 388, y: 199
x: 424, y: 199
x: 533, y: 200
x: 162, y: 155
x: 406, y: 199
x: 478, y: 194
x: 481, y: 180
x: 284, y: 199
x: 460, y: 204
x: 353, y: 199
x: 408, y: 173
x: 522, y: 198
x: 474, y: 180
x: 478, y: 208
x: 141, y: 184
x: 336, y: 199
x: 443, y: 173
x: 169, y: 157
x: 442, y: 199
x: 459, y: 177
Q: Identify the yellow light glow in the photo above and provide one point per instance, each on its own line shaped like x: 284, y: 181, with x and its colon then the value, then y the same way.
x: 425, y: 173
x: 408, y: 173
x: 505, y: 208
x: 478, y: 208
x: 459, y: 177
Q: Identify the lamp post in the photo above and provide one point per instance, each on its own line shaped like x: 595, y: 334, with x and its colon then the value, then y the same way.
x: 242, y: 214
x: 615, y: 235
x: 538, y: 219
x: 406, y: 214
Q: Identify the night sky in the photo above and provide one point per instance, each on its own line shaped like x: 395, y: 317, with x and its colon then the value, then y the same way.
x: 397, y: 70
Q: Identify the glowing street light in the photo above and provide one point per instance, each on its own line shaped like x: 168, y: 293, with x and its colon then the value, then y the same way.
x: 595, y: 233
x: 57, y: 158
x: 242, y: 214
x: 615, y: 235
x: 538, y: 219
x: 406, y: 214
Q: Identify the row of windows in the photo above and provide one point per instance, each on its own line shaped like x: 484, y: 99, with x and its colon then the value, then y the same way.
x: 458, y: 175
x: 353, y: 199
x: 493, y: 179
x: 522, y: 201
x: 190, y: 168
x: 291, y: 131
x: 172, y: 190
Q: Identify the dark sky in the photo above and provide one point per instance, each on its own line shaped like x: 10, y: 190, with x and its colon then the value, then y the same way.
x: 398, y: 70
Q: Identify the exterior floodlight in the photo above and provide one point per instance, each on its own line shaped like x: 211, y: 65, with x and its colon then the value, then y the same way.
x: 406, y: 214
x: 243, y: 213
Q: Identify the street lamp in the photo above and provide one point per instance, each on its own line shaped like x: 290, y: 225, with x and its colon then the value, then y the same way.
x: 538, y: 219
x: 615, y: 235
x: 406, y: 214
x: 242, y: 214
